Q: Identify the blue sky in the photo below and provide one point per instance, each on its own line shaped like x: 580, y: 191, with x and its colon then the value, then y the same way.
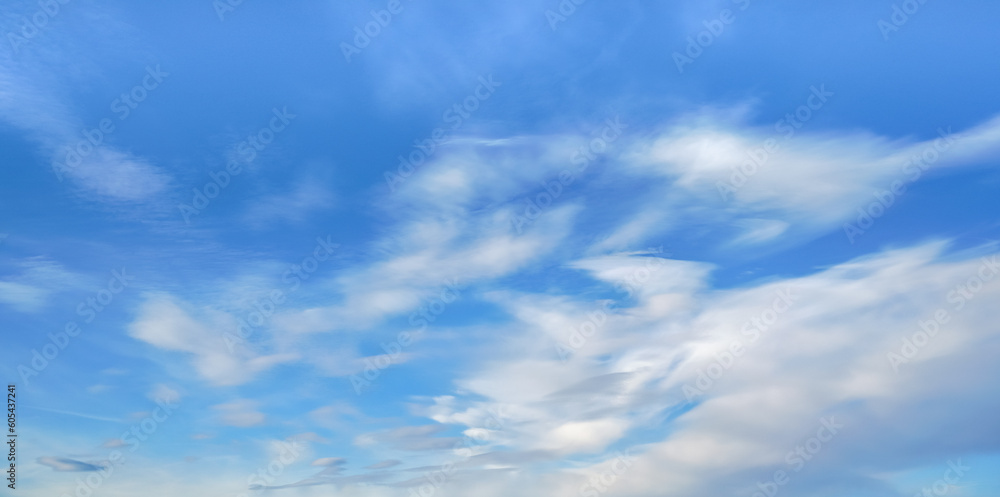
x: 723, y: 247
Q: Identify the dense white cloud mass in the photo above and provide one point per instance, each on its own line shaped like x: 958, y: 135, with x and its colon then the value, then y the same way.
x: 868, y: 349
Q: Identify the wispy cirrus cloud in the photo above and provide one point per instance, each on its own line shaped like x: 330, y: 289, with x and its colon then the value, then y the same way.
x: 167, y: 323
x: 39, y: 102
x: 63, y: 464
x: 716, y: 169
x: 36, y: 280
x: 305, y: 196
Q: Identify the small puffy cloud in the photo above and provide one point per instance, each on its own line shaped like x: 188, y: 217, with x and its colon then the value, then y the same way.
x: 240, y: 413
x: 99, y: 388
x: 113, y: 443
x: 163, y: 393
x: 329, y: 461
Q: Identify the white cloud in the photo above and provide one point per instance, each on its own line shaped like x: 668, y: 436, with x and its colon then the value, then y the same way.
x: 634, y: 231
x: 442, y: 236
x: 99, y: 388
x: 307, y: 195
x: 65, y: 464
x: 825, y: 354
x: 240, y: 413
x: 164, y: 322
x: 36, y: 98
x: 328, y: 461
x: 37, y: 279
x: 114, y: 443
x: 113, y: 175
x: 408, y: 438
x: 163, y: 393
x: 759, y: 230
x: 21, y: 297
x: 583, y: 436
x: 808, y: 182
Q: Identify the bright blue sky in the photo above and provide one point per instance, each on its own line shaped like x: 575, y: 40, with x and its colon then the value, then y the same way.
x: 653, y: 245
